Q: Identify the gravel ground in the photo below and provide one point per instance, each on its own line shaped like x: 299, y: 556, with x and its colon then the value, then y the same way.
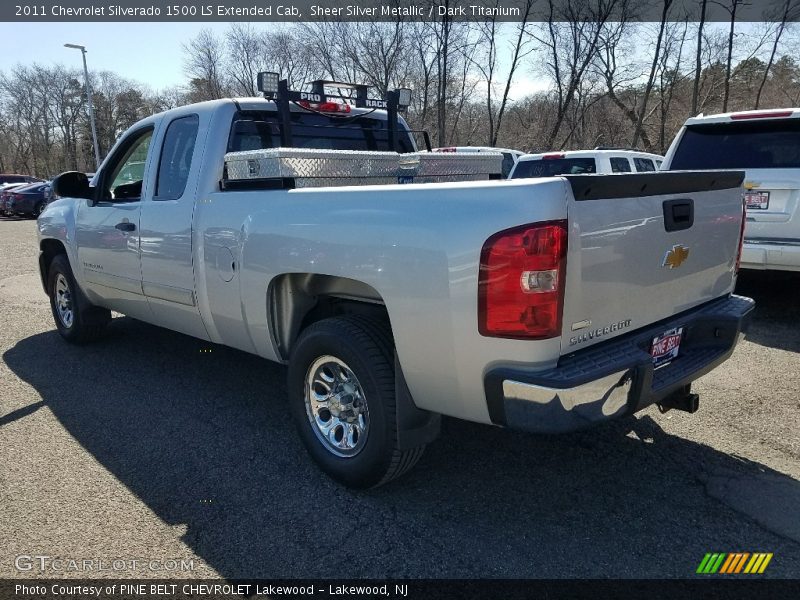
x: 147, y: 446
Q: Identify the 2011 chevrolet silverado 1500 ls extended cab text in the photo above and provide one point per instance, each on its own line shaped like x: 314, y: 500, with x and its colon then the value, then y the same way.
x: 546, y: 305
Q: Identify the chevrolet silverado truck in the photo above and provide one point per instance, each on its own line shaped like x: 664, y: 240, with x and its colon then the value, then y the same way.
x: 763, y: 143
x: 546, y: 305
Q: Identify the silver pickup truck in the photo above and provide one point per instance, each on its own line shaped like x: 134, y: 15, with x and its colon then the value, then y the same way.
x: 546, y: 305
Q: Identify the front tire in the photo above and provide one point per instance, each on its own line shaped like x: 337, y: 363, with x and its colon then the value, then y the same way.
x: 76, y: 319
x: 341, y: 385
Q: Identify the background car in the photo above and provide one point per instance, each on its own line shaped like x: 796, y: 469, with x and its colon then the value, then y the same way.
x: 6, y: 190
x: 29, y: 200
x: 576, y: 162
x: 14, y: 178
x: 510, y: 157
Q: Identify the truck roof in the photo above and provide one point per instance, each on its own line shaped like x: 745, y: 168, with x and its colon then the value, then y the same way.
x: 477, y: 149
x: 256, y: 103
x: 745, y: 115
x: 589, y: 154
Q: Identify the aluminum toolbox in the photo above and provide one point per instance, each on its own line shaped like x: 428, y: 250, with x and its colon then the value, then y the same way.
x: 455, y: 166
x: 314, y: 167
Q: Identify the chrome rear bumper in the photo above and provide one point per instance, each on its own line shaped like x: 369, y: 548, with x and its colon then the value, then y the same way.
x: 617, y: 377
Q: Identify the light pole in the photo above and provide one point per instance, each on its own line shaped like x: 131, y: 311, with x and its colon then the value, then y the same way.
x: 88, y: 101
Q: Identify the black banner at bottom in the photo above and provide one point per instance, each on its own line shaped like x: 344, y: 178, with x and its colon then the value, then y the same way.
x: 413, y: 589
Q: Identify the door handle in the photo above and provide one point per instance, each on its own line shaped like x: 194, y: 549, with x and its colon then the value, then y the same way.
x: 678, y: 214
x: 125, y: 226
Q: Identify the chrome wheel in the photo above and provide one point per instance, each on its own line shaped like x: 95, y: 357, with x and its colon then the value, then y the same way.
x: 336, y: 406
x: 63, y: 301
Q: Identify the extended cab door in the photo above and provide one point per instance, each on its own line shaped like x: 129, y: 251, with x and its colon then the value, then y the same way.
x: 107, y: 228
x: 166, y: 225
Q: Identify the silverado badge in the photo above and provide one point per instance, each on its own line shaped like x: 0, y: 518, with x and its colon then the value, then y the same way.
x: 674, y: 258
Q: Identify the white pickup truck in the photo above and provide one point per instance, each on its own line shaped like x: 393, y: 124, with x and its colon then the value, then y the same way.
x: 765, y: 144
x: 547, y: 305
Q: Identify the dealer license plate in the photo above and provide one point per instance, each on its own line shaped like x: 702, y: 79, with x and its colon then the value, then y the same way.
x: 756, y: 200
x: 666, y: 346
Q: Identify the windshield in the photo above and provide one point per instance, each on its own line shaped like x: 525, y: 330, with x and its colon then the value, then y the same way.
x: 258, y: 130
x: 551, y: 167
x: 753, y: 145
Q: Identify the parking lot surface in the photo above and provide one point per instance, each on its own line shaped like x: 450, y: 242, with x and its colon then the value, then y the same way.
x: 154, y: 446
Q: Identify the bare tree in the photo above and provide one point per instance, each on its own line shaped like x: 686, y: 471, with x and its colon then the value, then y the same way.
x: 245, y: 50
x: 571, y: 37
x: 621, y: 74
x: 789, y: 11
x: 698, y: 56
x: 731, y: 7
x: 637, y: 132
x: 204, y: 58
x: 487, y: 64
x: 670, y: 76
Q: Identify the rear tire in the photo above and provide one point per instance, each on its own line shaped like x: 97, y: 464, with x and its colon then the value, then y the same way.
x: 38, y: 209
x: 77, y: 320
x: 341, y: 384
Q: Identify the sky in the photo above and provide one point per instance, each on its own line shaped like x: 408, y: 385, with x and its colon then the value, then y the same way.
x: 149, y: 53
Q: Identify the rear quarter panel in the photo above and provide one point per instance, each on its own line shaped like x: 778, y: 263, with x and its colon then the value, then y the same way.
x: 417, y: 245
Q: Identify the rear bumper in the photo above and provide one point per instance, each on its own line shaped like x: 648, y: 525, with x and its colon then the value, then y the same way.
x: 615, y: 378
x: 780, y: 255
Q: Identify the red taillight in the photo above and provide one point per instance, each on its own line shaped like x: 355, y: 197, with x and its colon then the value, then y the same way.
x: 762, y: 115
x: 328, y: 107
x: 741, y: 235
x: 445, y: 150
x: 521, y: 282
x: 553, y: 156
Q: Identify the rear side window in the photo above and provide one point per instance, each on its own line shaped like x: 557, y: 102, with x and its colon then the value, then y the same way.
x: 176, y: 157
x: 741, y: 145
x: 551, y: 167
x: 644, y: 164
x: 256, y: 130
x: 620, y: 164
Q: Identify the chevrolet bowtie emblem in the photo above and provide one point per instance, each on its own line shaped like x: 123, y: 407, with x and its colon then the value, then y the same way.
x: 674, y: 258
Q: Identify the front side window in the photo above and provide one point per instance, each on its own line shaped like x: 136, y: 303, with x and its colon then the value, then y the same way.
x: 126, y: 171
x: 620, y: 164
x: 644, y: 164
x: 176, y: 157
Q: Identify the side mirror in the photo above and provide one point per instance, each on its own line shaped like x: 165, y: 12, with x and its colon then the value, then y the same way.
x: 72, y: 184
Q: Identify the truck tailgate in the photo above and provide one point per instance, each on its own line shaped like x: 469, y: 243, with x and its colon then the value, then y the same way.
x: 644, y: 247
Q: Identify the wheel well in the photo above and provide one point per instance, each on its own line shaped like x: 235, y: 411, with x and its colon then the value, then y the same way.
x: 296, y: 300
x: 49, y: 250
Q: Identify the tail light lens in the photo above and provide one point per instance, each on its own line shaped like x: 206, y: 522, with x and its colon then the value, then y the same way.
x: 329, y: 107
x: 741, y: 235
x: 521, y: 282
x: 772, y: 114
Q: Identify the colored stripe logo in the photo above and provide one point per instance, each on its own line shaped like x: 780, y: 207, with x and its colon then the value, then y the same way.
x: 732, y: 563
